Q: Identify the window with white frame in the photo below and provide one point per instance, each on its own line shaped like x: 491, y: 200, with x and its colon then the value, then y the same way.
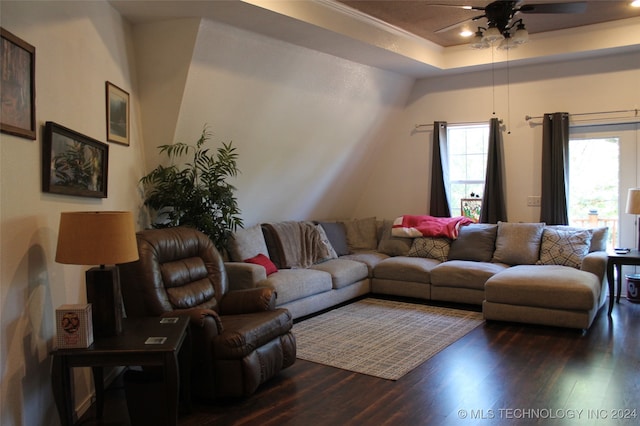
x: 468, y: 146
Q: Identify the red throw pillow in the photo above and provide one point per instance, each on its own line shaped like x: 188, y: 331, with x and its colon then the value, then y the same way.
x: 264, y: 261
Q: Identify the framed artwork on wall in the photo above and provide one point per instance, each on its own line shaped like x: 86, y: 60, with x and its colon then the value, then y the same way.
x: 471, y: 207
x: 117, y: 114
x: 17, y: 74
x: 73, y: 164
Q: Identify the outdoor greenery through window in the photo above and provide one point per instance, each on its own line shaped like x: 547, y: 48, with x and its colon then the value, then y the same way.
x: 593, y: 197
x: 468, y: 147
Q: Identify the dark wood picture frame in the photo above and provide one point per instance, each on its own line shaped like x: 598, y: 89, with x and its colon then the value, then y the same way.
x: 117, y: 114
x: 73, y: 164
x: 18, y: 76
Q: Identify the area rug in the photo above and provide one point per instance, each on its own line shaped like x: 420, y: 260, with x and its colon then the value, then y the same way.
x: 381, y: 338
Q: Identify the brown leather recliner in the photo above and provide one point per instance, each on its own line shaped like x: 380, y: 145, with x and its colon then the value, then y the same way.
x: 239, y: 340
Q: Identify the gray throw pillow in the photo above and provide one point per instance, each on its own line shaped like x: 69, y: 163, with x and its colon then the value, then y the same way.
x: 518, y: 243
x: 362, y: 234
x: 337, y: 236
x: 246, y: 243
x: 390, y: 245
x: 475, y: 242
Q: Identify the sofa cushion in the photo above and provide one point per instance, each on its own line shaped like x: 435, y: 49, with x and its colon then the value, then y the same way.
x: 362, y: 234
x: 264, y: 261
x: 548, y: 286
x: 518, y: 243
x: 368, y: 257
x: 246, y: 243
x: 562, y: 247
x: 431, y: 248
x: 464, y: 273
x: 402, y: 268
x: 390, y: 245
x: 337, y: 235
x: 343, y: 272
x: 474, y: 242
x: 294, y: 284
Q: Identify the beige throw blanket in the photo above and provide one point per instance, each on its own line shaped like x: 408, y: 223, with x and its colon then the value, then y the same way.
x: 299, y: 244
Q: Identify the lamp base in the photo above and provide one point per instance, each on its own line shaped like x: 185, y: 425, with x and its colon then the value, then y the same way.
x: 103, y: 292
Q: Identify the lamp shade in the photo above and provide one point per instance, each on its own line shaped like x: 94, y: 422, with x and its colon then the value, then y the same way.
x: 96, y: 238
x: 633, y: 201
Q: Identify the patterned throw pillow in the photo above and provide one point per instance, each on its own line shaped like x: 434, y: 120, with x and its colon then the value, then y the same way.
x: 431, y: 248
x: 566, y: 248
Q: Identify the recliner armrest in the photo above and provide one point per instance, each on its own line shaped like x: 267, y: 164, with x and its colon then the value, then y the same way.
x: 199, y: 318
x: 248, y: 301
x: 244, y: 275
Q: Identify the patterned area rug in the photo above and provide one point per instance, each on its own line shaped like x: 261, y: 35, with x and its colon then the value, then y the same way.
x: 381, y: 338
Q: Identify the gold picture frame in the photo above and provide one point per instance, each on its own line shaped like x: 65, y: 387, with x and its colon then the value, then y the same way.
x: 117, y: 114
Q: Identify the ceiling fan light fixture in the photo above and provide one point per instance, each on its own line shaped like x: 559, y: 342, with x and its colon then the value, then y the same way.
x: 507, y: 43
x: 492, y: 35
x: 521, y: 35
x: 478, y: 41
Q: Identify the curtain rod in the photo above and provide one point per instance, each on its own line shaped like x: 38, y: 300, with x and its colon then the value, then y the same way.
x: 468, y: 123
x: 635, y: 111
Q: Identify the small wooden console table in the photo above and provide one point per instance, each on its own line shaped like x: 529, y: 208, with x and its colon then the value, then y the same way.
x: 132, y: 348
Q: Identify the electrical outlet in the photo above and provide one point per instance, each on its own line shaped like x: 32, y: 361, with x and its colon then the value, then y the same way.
x: 533, y: 201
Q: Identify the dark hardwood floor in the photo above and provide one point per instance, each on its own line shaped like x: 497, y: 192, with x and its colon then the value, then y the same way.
x: 498, y: 374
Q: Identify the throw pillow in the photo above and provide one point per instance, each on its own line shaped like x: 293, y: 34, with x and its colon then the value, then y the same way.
x: 331, y: 253
x: 390, y: 245
x: 518, y: 243
x: 563, y: 247
x: 337, y: 236
x: 361, y: 234
x: 263, y: 261
x: 599, y: 236
x: 431, y: 248
x: 246, y: 243
x: 475, y: 242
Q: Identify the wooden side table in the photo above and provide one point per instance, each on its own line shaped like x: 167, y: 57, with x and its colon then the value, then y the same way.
x: 616, y: 260
x: 131, y: 348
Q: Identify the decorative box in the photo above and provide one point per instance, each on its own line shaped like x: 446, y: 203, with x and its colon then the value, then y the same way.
x: 74, y: 327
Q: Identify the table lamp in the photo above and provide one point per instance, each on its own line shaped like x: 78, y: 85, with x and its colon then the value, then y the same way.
x: 99, y: 238
x: 633, y: 206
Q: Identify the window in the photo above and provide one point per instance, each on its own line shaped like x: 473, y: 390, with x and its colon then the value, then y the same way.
x: 468, y: 147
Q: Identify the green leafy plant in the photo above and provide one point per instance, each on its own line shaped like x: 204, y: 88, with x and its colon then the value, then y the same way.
x: 196, y: 193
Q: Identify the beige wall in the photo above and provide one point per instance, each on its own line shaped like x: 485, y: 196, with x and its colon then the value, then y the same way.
x: 401, y: 182
x: 79, y: 46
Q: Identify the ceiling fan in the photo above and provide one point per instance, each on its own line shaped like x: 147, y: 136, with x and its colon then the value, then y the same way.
x: 500, y: 20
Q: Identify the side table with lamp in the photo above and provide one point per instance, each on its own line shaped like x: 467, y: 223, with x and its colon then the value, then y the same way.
x: 624, y: 256
x: 108, y: 238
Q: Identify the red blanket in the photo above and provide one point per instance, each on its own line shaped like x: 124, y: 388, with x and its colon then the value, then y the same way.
x: 428, y: 226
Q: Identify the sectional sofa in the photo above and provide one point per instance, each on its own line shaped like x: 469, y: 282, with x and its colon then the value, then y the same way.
x: 517, y: 272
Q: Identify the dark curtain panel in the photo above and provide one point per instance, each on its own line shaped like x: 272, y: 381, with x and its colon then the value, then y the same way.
x: 493, y: 202
x: 555, y: 169
x: 439, y: 202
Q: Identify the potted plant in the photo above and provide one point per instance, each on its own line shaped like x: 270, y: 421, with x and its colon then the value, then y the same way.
x: 195, y: 193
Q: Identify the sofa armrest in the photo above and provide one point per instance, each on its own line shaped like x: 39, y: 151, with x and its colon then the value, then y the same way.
x: 596, y: 263
x: 248, y: 301
x: 244, y: 275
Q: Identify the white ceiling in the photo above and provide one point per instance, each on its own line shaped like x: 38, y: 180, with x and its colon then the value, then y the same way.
x: 332, y: 27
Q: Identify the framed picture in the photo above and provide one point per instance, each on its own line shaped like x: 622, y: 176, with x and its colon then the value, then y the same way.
x: 17, y: 74
x: 73, y: 164
x: 471, y: 208
x: 117, y: 114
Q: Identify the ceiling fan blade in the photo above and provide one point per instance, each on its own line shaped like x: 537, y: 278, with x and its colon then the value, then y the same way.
x: 458, y: 24
x: 457, y: 6
x: 572, y: 7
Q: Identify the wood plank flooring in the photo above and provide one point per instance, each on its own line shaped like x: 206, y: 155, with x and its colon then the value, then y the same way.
x: 499, y: 374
